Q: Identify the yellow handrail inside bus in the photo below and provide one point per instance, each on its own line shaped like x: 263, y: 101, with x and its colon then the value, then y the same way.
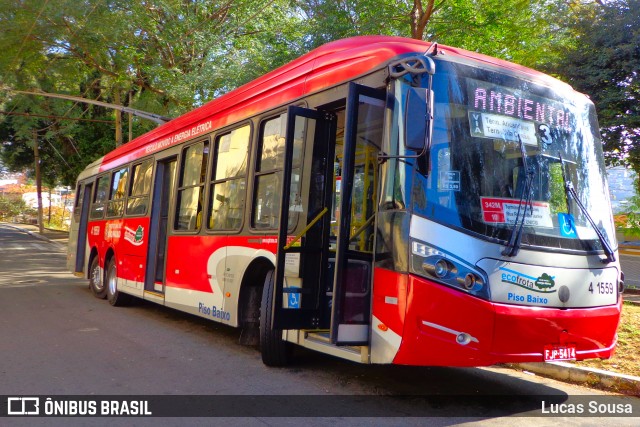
x: 311, y: 224
x: 364, y: 226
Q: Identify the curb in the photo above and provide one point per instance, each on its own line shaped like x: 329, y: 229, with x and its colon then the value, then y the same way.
x: 563, y: 371
x: 629, y: 251
x: 35, y: 234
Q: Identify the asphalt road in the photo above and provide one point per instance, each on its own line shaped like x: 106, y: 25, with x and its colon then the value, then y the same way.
x: 631, y: 267
x: 57, y: 339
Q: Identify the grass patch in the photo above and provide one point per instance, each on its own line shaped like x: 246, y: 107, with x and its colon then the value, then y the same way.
x: 626, y: 359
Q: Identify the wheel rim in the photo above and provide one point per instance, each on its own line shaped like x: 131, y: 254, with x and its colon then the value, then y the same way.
x: 113, y: 280
x: 96, y: 278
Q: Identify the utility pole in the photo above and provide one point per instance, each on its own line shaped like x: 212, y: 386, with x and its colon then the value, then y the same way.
x: 36, y: 155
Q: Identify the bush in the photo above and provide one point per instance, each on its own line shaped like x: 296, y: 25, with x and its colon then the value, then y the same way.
x: 11, y: 208
x: 59, y: 218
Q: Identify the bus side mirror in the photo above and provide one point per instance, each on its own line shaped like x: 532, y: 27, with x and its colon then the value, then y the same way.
x: 418, y: 119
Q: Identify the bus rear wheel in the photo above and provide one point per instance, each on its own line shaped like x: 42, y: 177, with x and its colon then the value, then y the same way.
x: 96, y: 281
x: 115, y: 297
x: 275, y: 351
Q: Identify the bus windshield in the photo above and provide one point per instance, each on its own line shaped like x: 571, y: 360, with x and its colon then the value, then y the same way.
x: 494, y: 131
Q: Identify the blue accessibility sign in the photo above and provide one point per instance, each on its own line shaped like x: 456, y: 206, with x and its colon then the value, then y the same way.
x: 567, y: 225
x: 294, y: 300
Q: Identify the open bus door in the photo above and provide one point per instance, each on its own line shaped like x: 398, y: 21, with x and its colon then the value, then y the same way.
x: 324, y: 273
x: 301, y: 261
x: 353, y: 268
x: 81, y: 246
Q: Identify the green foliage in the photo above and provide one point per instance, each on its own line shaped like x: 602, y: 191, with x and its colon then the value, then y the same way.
x: 165, y: 57
x: 169, y: 56
x: 529, y: 33
x: 558, y: 198
x: 604, y: 63
x: 12, y: 207
x: 329, y: 20
x: 525, y: 32
x: 632, y: 225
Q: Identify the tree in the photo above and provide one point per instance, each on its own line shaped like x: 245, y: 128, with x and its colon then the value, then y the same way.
x: 169, y: 56
x: 605, y: 64
x: 529, y: 33
x: 165, y: 57
x: 421, y: 14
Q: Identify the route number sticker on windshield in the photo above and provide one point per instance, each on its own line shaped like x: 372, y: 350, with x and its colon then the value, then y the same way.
x: 504, y: 211
x: 494, y: 126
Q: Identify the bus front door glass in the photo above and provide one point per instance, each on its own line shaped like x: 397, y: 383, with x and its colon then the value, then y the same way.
x: 357, y: 158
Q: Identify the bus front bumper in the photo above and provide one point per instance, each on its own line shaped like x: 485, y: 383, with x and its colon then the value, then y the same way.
x: 447, y: 327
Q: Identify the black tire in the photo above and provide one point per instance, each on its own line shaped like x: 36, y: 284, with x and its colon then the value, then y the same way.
x: 275, y: 351
x: 115, y: 297
x: 96, y: 279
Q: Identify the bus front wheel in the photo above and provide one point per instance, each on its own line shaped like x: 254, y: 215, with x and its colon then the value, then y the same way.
x: 96, y: 281
x: 275, y: 351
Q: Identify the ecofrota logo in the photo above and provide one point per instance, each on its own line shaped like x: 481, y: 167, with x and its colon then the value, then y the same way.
x: 23, y: 406
x: 543, y: 284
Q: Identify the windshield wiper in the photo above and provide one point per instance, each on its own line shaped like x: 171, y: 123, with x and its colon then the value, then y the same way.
x: 570, y: 191
x: 513, y: 246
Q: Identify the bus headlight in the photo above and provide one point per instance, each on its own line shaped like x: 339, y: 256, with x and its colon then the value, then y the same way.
x: 429, y: 261
x: 440, y: 269
x: 470, y: 281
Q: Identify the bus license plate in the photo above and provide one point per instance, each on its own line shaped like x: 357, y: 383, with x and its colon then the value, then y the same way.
x: 559, y: 353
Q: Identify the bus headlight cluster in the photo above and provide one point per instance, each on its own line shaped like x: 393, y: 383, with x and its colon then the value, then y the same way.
x: 429, y: 261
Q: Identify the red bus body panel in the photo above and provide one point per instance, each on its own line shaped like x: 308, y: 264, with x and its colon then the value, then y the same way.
x: 119, y: 236
x: 188, y: 258
x: 502, y: 332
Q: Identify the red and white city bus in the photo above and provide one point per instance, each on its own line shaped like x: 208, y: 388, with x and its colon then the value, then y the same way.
x: 379, y: 199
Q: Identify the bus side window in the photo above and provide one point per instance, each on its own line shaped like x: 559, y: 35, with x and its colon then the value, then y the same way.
x: 100, y: 197
x: 228, y: 184
x: 266, y: 209
x: 191, y: 187
x: 267, y: 198
x: 140, y: 187
x: 115, y: 207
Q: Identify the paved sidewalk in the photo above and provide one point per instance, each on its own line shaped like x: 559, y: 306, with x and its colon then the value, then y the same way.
x: 558, y: 370
x: 56, y: 236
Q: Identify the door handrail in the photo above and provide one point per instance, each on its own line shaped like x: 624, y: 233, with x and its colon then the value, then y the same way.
x: 303, y: 232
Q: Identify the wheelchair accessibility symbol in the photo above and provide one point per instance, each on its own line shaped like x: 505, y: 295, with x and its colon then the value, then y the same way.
x: 567, y: 225
x: 294, y: 300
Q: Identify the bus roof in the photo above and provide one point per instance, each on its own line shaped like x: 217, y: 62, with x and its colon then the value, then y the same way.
x: 321, y: 68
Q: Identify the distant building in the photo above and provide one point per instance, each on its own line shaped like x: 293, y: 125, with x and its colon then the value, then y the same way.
x: 5, y: 182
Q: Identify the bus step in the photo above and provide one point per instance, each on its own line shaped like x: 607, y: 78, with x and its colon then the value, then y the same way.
x: 321, y: 341
x: 323, y: 336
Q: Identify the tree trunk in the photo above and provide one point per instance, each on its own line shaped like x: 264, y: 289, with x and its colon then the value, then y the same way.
x: 36, y: 155
x: 116, y: 99
x: 420, y: 16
